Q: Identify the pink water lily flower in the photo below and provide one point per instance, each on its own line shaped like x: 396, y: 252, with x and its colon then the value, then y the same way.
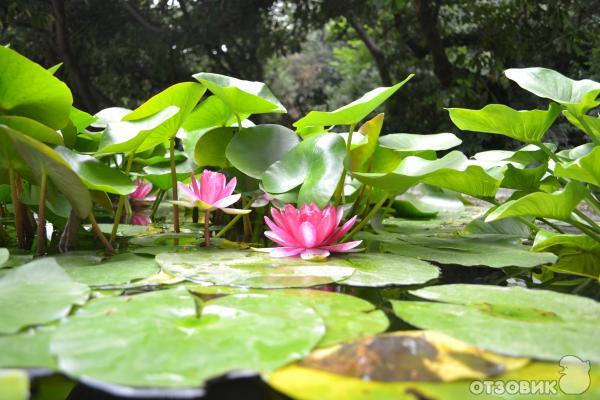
x: 308, y: 232
x: 142, y: 191
x: 210, y: 193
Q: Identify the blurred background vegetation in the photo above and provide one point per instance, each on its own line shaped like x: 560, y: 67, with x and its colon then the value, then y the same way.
x: 314, y: 54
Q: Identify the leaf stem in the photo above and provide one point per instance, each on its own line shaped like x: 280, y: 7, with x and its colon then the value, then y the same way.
x: 551, y: 225
x: 107, y: 246
x: 207, y: 228
x: 41, y: 226
x: 122, y: 200
x: 235, y: 219
x: 174, y: 184
x: 585, y: 229
x: 548, y: 152
x: 587, y: 219
x: 366, y: 219
x: 156, y: 204
x: 593, y: 203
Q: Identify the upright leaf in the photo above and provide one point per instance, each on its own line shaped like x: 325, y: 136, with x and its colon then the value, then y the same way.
x: 584, y: 169
x: 410, y: 142
x: 361, y: 154
x: 31, y: 127
x: 351, y: 113
x: 210, y: 147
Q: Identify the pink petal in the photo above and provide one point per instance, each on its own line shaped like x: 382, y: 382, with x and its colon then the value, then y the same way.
x: 289, y: 220
x: 342, y: 247
x: 308, y: 233
x: 337, y: 235
x: 314, y: 254
x: 207, y: 186
x: 282, y: 233
x: 229, y: 188
x: 286, y: 251
x: 140, y: 220
x: 194, y: 186
x: 226, y: 201
x: 185, y: 191
x: 277, y: 239
x: 327, y: 224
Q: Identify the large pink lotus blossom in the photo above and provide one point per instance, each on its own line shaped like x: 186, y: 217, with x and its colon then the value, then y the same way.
x: 210, y: 193
x: 308, y: 232
x: 142, y: 191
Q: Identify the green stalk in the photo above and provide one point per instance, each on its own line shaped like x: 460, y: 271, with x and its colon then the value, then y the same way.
x: 239, y: 122
x: 587, y: 219
x: 585, y: 229
x: 107, y: 246
x: 174, y: 184
x: 548, y: 152
x: 530, y: 224
x: 122, y: 200
x: 156, y: 204
x: 41, y: 226
x: 235, y: 219
x: 207, y: 228
x: 551, y: 225
x: 593, y: 203
x: 365, y: 220
x: 17, y: 209
x: 358, y: 199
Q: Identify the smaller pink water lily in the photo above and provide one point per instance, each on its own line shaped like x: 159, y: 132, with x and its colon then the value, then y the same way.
x: 210, y: 193
x: 142, y: 191
x: 308, y: 232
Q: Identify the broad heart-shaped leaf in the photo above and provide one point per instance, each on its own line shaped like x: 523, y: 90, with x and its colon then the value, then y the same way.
x: 540, y: 324
x: 28, y: 90
x: 346, y: 317
x: 361, y: 154
x: 316, y: 164
x: 37, y: 293
x: 211, y: 113
x: 584, y: 169
x: 553, y: 85
x: 42, y: 160
x: 466, y: 251
x: 32, y: 128
x: 184, y: 96
x: 410, y: 142
x: 160, y: 176
x: 128, y: 136
x: 558, y: 205
x: 157, y: 340
x: 14, y: 384
x: 351, y: 113
x: 28, y: 349
x: 527, y: 179
x: 211, y: 145
x: 251, y: 269
x: 242, y: 97
x: 453, y: 171
x: 586, y: 123
x: 254, y: 149
x: 95, y: 174
x: 578, y: 254
x: 526, y: 126
x: 379, y: 269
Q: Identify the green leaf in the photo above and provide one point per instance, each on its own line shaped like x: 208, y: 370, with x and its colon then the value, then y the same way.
x: 586, y: 123
x: 212, y: 112
x: 315, y: 165
x: 527, y: 179
x: 526, y: 126
x: 32, y: 128
x: 44, y: 161
x: 166, y: 340
x: 160, y: 176
x: 453, y: 171
x: 95, y: 174
x: 558, y: 205
x: 467, y: 251
x: 29, y: 90
x: 210, y: 147
x: 515, y: 321
x: 378, y: 270
x: 584, y: 169
x: 351, y: 113
x: 184, y: 96
x: 346, y: 317
x: 37, y: 293
x: 4, y: 256
x: 242, y: 97
x: 553, y: 85
x: 254, y: 149
x: 14, y: 384
x: 251, y: 269
x: 410, y: 142
x: 128, y: 136
x: 120, y: 270
x: 361, y: 154
x: 29, y: 349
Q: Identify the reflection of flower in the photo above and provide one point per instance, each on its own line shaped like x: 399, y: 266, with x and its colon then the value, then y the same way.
x: 139, y: 201
x: 141, y: 191
x: 309, y: 232
x: 211, y: 193
x: 140, y: 219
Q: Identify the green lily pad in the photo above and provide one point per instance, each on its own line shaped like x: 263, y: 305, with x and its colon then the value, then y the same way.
x: 379, y: 269
x: 410, y: 142
x: 346, y: 317
x: 123, y: 269
x: 157, y: 340
x: 14, y: 384
x: 251, y: 269
x: 37, y: 293
x: 125, y: 230
x: 515, y: 321
x: 29, y: 349
x: 467, y: 251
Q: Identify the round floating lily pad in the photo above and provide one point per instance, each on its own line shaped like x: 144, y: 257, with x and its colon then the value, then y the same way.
x: 37, y: 293
x: 125, y: 230
x: 539, y: 324
x: 379, y: 269
x: 252, y: 269
x: 122, y: 269
x: 14, y: 384
x: 157, y: 340
x: 30, y: 349
x: 346, y: 317
x: 468, y: 251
